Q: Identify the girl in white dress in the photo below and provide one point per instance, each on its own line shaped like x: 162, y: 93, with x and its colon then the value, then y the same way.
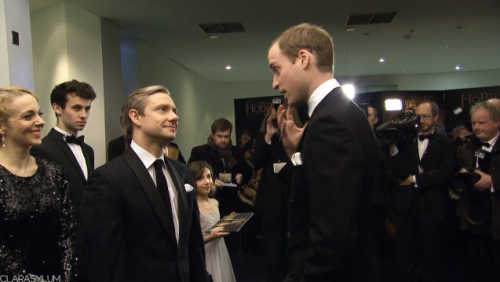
x: 216, y: 255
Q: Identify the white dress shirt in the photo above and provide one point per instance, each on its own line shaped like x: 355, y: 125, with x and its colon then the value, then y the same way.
x: 148, y: 161
x: 316, y: 97
x: 77, y: 152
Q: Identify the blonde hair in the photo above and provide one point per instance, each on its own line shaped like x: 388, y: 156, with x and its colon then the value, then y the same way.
x: 7, y: 95
x: 137, y: 101
x: 487, y: 105
x: 197, y: 169
x: 310, y: 37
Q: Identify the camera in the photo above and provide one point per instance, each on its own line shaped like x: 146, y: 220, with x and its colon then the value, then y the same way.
x: 401, y: 130
x: 465, y: 180
x: 276, y: 103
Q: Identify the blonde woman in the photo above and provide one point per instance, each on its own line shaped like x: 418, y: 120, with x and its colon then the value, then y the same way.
x: 36, y: 226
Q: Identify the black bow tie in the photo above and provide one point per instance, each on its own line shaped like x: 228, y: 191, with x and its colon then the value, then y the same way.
x: 485, y: 144
x: 423, y: 137
x: 73, y: 139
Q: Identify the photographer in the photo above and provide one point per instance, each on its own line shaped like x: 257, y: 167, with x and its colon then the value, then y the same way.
x: 271, y: 204
x: 425, y: 167
x: 479, y: 177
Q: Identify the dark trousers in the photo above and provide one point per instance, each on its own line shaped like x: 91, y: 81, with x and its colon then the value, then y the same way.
x: 378, y: 230
x: 484, y: 255
x: 274, y: 230
x: 420, y: 244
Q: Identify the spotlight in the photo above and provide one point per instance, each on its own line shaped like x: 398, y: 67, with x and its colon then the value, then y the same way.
x: 393, y: 105
x: 349, y: 90
x: 228, y: 67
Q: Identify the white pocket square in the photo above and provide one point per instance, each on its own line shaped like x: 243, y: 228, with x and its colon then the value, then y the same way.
x: 188, y: 187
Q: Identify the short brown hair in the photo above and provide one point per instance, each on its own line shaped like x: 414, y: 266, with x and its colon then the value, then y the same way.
x: 197, y: 169
x: 221, y: 124
x: 137, y: 101
x: 310, y: 37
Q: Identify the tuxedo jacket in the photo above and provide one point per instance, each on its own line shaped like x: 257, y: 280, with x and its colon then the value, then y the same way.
x: 55, y: 148
x: 439, y: 164
x: 116, y: 147
x: 331, y: 195
x: 126, y: 233
x: 272, y: 193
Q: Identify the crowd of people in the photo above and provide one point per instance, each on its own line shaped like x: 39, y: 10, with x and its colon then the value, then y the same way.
x: 327, y: 185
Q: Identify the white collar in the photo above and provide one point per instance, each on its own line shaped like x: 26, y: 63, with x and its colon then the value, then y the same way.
x: 147, y: 158
x: 493, y: 141
x: 320, y: 93
x: 62, y: 131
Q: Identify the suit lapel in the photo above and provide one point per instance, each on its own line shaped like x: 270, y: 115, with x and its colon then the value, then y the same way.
x: 433, y: 145
x: 90, y: 165
x: 149, y: 188
x: 182, y: 206
x: 59, y: 140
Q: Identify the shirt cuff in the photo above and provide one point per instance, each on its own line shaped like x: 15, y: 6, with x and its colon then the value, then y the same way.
x: 415, y: 181
x: 492, y: 190
x: 268, y: 143
x: 297, y: 159
x: 393, y: 151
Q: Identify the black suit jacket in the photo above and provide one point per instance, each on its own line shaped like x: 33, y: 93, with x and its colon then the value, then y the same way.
x: 272, y: 193
x: 126, y: 233
x: 439, y: 164
x: 54, y: 148
x: 331, y: 193
x: 116, y: 147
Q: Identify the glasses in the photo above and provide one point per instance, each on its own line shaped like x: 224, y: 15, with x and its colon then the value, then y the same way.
x: 426, y: 116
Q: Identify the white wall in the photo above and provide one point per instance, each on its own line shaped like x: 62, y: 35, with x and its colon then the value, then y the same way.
x: 50, y: 56
x: 67, y: 45
x: 4, y: 53
x: 112, y: 79
x: 15, y: 16
x: 130, y: 67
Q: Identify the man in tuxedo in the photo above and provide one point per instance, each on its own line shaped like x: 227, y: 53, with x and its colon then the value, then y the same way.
x: 480, y: 203
x: 425, y: 167
x: 140, y: 215
x: 334, y: 159
x: 71, y: 102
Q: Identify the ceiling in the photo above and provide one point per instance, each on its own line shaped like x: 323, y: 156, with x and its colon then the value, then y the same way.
x: 465, y: 33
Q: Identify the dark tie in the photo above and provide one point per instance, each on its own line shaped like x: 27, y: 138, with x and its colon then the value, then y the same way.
x: 162, y: 186
x: 73, y: 139
x: 423, y: 137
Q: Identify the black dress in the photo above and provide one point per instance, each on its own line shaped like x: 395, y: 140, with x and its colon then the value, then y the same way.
x: 36, y: 225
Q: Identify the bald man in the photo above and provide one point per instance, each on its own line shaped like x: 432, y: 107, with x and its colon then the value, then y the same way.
x: 495, y: 102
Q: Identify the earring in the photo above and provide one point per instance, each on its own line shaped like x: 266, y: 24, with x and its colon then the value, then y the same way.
x: 3, y: 140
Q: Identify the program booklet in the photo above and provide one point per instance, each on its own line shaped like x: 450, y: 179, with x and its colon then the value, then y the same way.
x: 232, y: 223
